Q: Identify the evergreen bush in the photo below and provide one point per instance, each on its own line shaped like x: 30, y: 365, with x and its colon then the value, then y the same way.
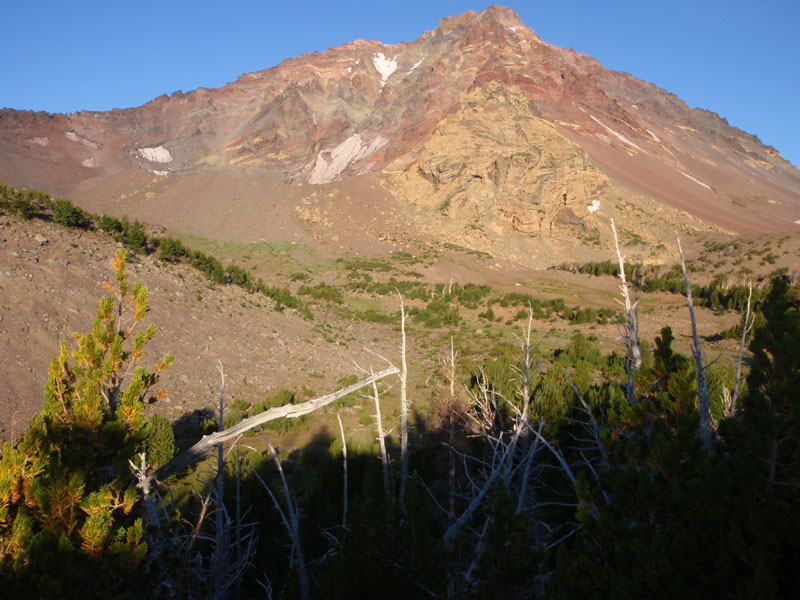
x: 67, y: 521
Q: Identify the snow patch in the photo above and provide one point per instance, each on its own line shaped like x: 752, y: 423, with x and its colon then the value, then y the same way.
x: 797, y: 222
x: 158, y: 154
x: 634, y: 106
x: 653, y: 135
x: 385, y: 66
x: 603, y: 138
x: 697, y: 181
x: 88, y: 163
x: 41, y: 141
x: 619, y: 136
x: 74, y: 137
x: 416, y: 64
x: 594, y: 206
x: 160, y: 173
x: 331, y: 163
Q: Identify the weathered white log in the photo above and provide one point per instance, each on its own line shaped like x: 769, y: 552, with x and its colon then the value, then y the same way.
x: 289, y: 411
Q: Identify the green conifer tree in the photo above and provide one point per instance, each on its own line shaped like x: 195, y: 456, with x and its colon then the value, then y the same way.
x: 67, y: 526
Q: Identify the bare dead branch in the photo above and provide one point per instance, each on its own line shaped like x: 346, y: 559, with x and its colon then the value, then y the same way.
x: 290, y: 520
x: 289, y: 411
x: 523, y: 491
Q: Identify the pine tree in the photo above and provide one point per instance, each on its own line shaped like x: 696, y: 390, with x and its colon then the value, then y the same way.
x: 67, y: 525
x: 672, y: 519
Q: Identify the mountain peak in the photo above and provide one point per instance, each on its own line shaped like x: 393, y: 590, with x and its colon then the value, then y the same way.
x: 409, y: 110
x: 494, y: 14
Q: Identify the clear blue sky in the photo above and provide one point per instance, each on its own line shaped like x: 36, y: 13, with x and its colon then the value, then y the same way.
x: 738, y: 58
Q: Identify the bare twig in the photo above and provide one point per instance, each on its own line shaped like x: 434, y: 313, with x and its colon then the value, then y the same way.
x: 524, y: 392
x: 478, y: 552
x: 523, y: 491
x: 140, y: 473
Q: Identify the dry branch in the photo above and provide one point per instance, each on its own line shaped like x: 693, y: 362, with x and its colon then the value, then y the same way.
x: 289, y: 411
x: 290, y: 518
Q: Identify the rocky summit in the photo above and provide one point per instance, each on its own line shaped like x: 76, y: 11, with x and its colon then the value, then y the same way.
x: 479, y: 130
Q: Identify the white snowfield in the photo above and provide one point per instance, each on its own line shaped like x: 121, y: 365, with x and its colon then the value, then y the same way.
x: 74, y: 137
x: 416, y: 64
x: 385, y: 66
x: 697, y: 181
x: 797, y: 222
x: 619, y: 136
x: 653, y: 135
x: 330, y: 163
x: 159, y: 173
x: 88, y: 163
x: 41, y: 141
x: 594, y: 206
x: 159, y: 154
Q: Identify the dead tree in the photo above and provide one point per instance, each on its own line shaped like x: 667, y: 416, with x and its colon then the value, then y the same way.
x: 206, y: 445
x: 344, y: 458
x: 747, y: 326
x: 403, y: 406
x: 381, y: 438
x: 697, y: 352
x: 290, y: 518
x: 220, y: 558
x: 631, y: 327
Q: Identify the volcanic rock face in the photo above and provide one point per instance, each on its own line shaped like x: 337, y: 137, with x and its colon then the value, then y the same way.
x: 494, y: 163
x: 479, y: 119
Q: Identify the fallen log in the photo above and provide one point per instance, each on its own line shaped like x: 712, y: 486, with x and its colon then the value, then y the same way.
x: 290, y: 411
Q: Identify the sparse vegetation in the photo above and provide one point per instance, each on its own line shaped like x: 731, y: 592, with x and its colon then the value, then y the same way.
x: 531, y: 474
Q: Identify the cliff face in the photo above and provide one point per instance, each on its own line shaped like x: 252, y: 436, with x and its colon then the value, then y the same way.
x: 493, y: 164
x: 479, y: 118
